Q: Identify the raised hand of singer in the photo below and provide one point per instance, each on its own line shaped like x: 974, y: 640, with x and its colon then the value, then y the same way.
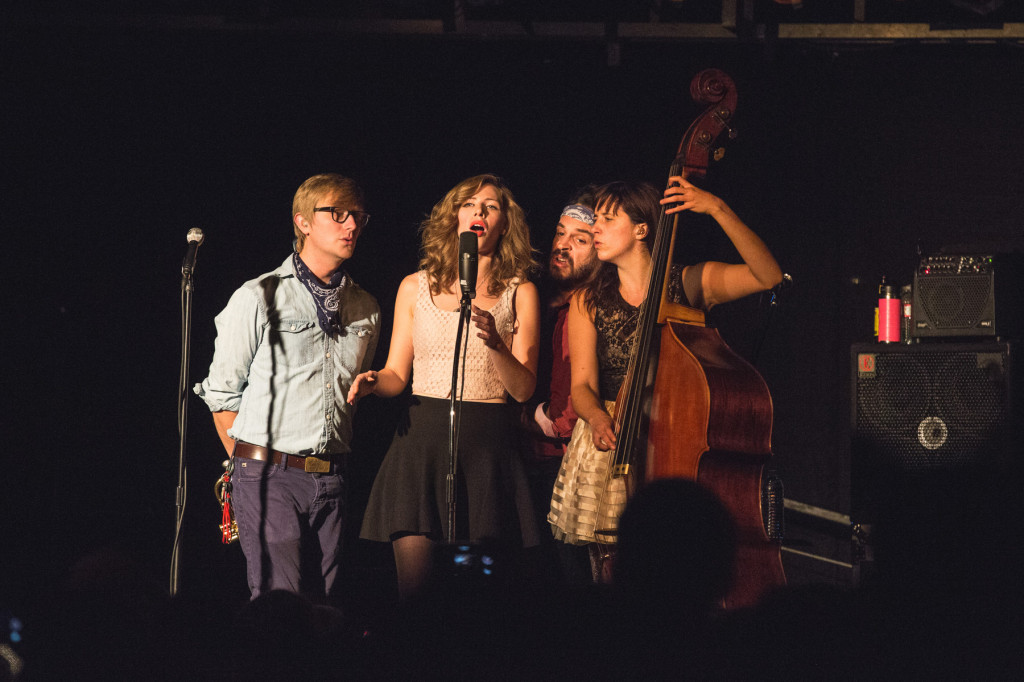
x: 362, y: 385
x: 486, y: 328
x: 683, y: 195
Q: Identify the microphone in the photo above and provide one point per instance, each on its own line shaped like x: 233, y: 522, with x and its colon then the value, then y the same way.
x: 468, y: 264
x: 195, y: 238
x: 786, y: 283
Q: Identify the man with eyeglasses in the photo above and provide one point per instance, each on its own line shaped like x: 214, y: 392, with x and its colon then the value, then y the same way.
x: 288, y: 345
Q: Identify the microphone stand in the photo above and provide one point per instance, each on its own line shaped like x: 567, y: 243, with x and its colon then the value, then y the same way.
x: 773, y: 304
x: 453, y: 423
x: 186, y: 337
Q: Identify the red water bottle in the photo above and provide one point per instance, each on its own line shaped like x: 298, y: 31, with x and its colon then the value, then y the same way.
x: 889, y: 314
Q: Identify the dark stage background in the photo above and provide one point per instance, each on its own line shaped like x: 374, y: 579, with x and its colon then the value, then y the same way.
x: 117, y: 141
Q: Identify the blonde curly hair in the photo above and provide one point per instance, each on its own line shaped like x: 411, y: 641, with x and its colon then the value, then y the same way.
x: 439, y: 250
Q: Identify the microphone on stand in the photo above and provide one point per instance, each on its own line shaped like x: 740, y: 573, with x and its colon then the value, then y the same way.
x: 786, y: 283
x: 195, y: 238
x: 468, y: 262
x: 468, y: 252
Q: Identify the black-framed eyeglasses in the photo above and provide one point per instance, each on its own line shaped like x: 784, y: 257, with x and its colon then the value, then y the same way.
x: 340, y: 215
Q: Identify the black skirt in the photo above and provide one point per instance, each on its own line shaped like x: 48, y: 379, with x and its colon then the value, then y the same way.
x: 409, y: 495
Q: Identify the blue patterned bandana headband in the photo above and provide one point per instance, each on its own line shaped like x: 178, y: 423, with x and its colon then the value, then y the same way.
x: 326, y: 297
x: 580, y: 213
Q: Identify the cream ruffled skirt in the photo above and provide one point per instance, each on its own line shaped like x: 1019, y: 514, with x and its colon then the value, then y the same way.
x: 587, y: 500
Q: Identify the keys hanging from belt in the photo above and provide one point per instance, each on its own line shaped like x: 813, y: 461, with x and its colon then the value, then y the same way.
x: 222, y: 489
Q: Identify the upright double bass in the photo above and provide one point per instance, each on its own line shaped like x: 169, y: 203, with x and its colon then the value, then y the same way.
x: 690, y: 407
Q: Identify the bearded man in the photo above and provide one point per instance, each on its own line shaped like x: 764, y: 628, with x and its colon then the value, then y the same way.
x: 571, y: 264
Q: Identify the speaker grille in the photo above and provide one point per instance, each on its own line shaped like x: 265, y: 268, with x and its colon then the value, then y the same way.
x: 926, y: 410
x: 918, y: 411
x: 953, y: 302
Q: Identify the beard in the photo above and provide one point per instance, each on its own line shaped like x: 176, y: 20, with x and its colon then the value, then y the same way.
x: 571, y: 276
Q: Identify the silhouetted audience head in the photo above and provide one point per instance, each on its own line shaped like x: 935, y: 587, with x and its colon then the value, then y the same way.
x: 676, y: 548
x: 105, y: 620
x: 283, y: 634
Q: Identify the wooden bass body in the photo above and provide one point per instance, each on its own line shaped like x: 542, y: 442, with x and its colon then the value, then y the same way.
x: 711, y: 422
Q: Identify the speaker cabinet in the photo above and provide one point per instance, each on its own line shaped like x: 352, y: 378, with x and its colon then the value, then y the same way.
x: 924, y: 408
x: 957, y: 296
x: 954, y: 305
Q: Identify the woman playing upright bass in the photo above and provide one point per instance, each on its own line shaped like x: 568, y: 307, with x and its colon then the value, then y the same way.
x: 602, y: 321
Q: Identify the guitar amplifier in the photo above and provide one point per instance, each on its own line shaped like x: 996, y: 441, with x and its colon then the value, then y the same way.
x: 958, y: 296
x: 928, y: 409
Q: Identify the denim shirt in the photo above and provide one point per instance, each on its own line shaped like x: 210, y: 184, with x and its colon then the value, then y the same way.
x: 286, y: 378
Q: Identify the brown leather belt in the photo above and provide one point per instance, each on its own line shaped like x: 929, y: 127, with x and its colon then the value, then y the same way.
x: 319, y: 464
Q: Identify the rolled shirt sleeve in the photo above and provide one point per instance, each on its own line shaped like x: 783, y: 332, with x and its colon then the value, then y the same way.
x: 240, y: 329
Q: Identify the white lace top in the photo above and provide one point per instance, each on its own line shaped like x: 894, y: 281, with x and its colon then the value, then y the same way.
x: 433, y: 342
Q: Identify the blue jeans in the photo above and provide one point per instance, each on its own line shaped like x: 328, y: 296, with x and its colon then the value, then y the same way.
x: 290, y: 526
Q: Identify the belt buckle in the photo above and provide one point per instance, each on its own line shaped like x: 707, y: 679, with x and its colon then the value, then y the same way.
x: 315, y: 465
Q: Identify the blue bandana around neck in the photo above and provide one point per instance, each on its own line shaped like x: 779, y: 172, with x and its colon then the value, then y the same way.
x: 327, y: 297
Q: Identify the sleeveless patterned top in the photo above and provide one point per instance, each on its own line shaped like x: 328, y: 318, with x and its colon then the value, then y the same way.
x: 433, y: 343
x: 615, y: 322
